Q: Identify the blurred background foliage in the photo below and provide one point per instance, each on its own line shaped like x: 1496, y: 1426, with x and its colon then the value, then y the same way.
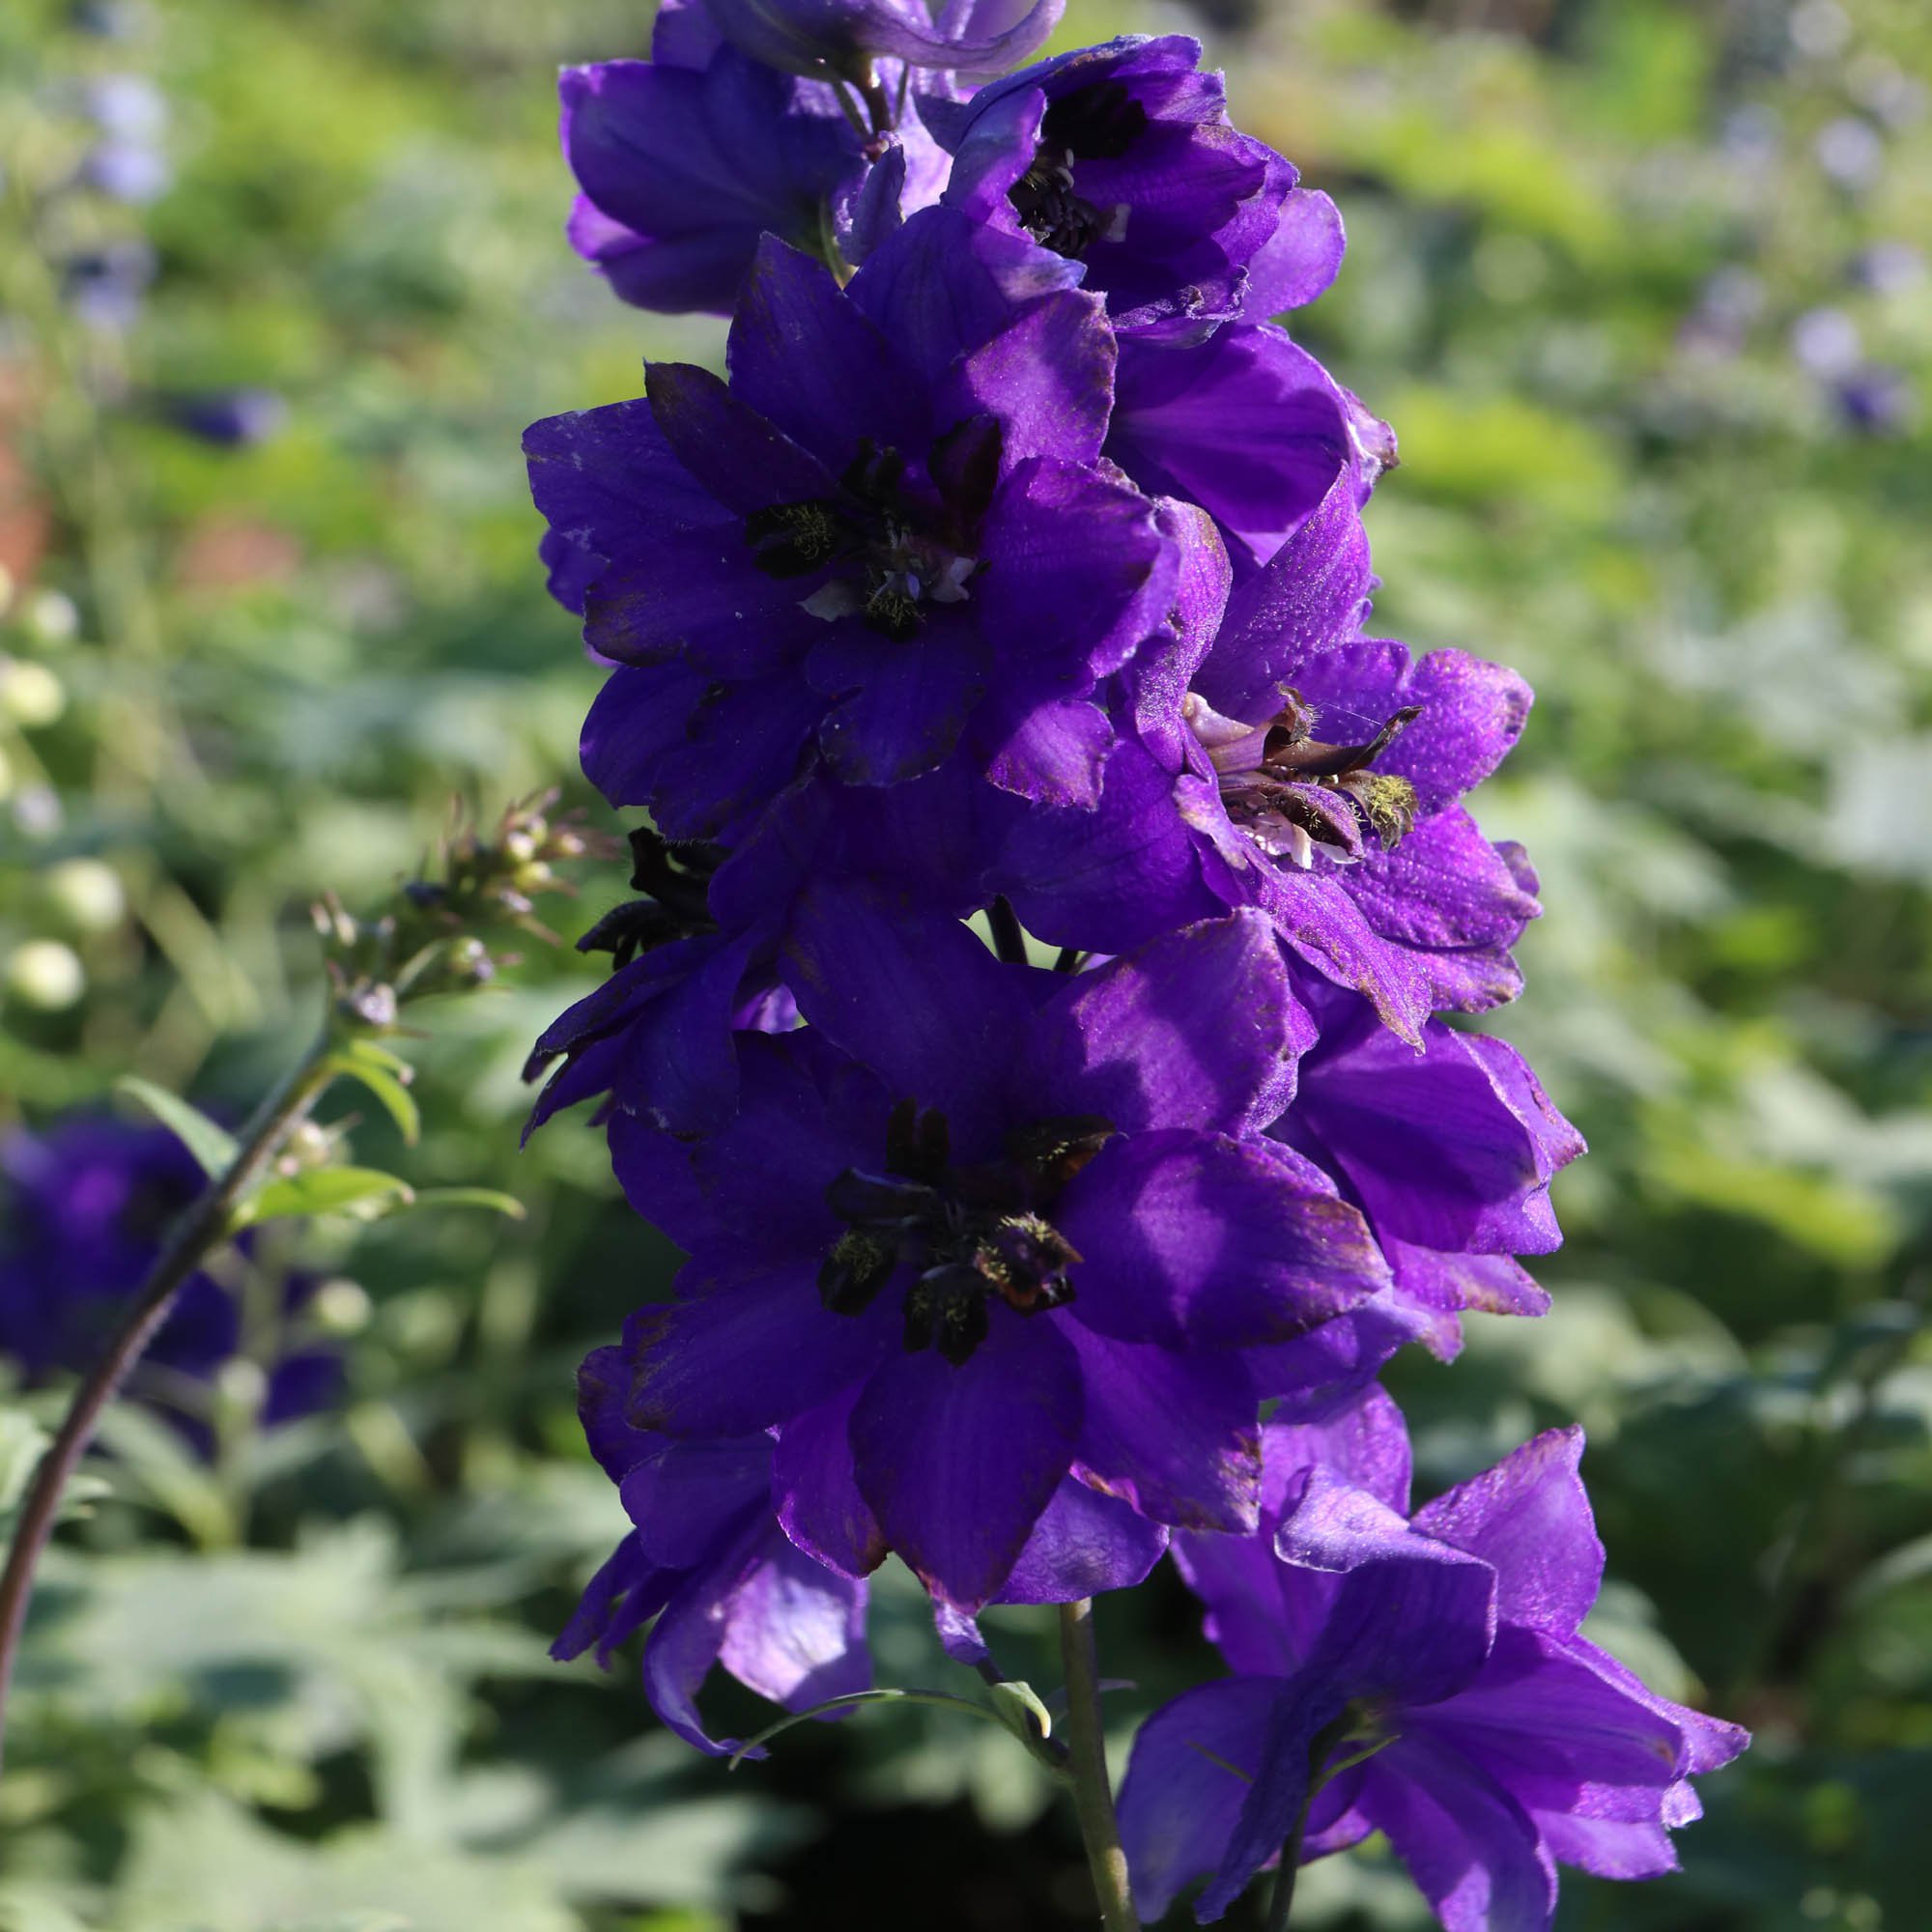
x: 1641, y: 284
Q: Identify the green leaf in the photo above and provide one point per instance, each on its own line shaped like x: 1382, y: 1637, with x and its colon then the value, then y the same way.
x: 1018, y: 1707
x: 22, y: 1442
x: 851, y: 1701
x: 327, y: 1190
x: 210, y: 1143
x: 369, y: 1064
x: 471, y: 1197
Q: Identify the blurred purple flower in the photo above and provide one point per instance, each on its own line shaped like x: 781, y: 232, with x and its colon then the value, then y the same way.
x: 234, y: 418
x: 87, y: 1206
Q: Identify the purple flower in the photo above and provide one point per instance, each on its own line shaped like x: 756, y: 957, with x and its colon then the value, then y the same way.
x: 1424, y: 1678
x: 1270, y: 756
x: 885, y: 539
x: 707, y: 1559
x: 129, y: 171
x: 685, y: 160
x: 104, y: 285
x: 1873, y: 400
x: 1120, y: 157
x: 230, y: 418
x: 1247, y: 426
x: 697, y: 959
x: 843, y: 37
x: 1448, y: 1152
x: 978, y: 1226
x: 125, y: 106
x: 84, y: 1209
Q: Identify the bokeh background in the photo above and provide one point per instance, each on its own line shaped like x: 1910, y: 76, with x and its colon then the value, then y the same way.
x: 1643, y: 287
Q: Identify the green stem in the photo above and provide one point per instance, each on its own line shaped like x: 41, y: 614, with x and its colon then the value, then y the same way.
x: 1320, y: 1771
x: 1282, y: 1901
x: 1087, y: 1768
x: 196, y: 1235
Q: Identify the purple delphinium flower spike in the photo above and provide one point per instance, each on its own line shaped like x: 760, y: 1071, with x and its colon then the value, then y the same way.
x: 842, y: 37
x: 685, y: 160
x: 977, y: 1225
x: 1448, y: 1152
x: 1120, y: 157
x: 84, y: 1209
x: 1426, y: 1675
x: 1272, y: 756
x: 707, y: 1559
x: 885, y: 539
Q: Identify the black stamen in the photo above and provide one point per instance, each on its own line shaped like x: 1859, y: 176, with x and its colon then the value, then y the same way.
x: 1009, y: 935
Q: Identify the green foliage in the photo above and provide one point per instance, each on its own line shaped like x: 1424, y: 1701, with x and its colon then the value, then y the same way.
x: 298, y: 1686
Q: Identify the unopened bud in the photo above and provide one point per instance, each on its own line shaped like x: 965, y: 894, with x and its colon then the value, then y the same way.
x: 37, y: 811
x: 340, y: 1307
x: 519, y: 845
x: 87, y: 895
x: 307, y: 1145
x: 241, y: 1384
x: 46, y: 975
x: 470, y: 960
x: 30, y: 693
x: 51, y: 617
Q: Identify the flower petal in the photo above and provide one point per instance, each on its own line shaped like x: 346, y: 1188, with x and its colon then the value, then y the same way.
x: 1173, y: 1435
x: 959, y: 1463
x: 1200, y: 1029
x: 1471, y: 1849
x: 1084, y: 1543
x: 1199, y: 1239
x: 1529, y: 1518
x: 1193, y: 1765
x: 752, y: 1354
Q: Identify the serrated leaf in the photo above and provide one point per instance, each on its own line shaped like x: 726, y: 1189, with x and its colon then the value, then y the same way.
x: 471, y: 1197
x: 210, y: 1143
x: 326, y: 1190
x: 376, y: 1071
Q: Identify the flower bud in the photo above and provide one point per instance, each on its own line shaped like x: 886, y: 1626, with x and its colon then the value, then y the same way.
x: 51, y: 618
x: 241, y: 1385
x: 86, y: 894
x: 340, y: 1307
x: 30, y: 693
x: 307, y: 1145
x: 45, y: 975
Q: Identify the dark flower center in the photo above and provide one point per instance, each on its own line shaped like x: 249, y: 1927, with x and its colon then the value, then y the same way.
x: 969, y: 1232
x: 891, y: 549
x: 674, y: 880
x: 1288, y: 789
x: 1091, y: 123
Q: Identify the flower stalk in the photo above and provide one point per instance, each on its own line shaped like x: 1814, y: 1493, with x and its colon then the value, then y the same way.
x: 206, y: 1226
x: 1087, y: 1768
